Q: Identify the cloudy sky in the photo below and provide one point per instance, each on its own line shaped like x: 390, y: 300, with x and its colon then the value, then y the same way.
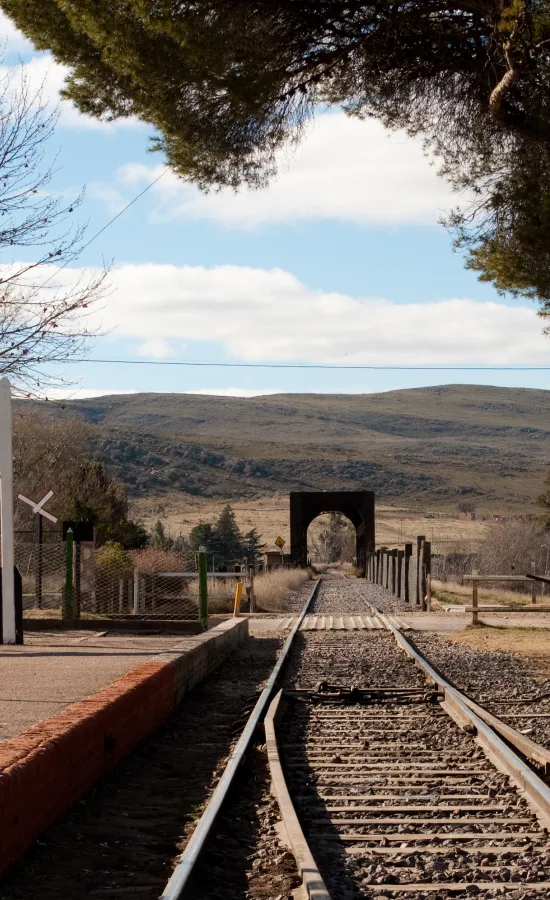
x: 340, y: 262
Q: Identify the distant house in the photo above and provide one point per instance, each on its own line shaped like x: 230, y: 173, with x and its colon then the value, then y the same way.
x: 468, y: 516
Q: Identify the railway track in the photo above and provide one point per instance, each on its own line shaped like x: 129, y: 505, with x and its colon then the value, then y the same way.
x: 388, y: 783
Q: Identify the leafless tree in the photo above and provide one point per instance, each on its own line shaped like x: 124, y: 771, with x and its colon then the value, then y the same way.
x: 43, y: 311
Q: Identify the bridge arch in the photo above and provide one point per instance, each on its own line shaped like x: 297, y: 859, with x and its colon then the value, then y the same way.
x: 357, y: 506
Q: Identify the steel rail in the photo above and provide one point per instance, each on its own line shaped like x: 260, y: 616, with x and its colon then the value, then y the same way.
x: 529, y: 748
x: 458, y: 708
x: 181, y: 876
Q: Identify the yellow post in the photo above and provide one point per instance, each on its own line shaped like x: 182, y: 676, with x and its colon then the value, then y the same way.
x: 238, y: 595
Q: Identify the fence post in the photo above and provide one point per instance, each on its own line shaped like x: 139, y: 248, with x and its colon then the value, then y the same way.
x: 203, y: 588
x: 393, y: 569
x: 426, y: 571
x: 68, y: 598
x: 77, y: 579
x: 407, y: 557
x: 136, y: 592
x: 419, y: 541
x: 38, y: 571
x: 252, y: 595
x: 400, y: 555
x: 533, y: 583
x: 427, y: 574
x: 475, y: 618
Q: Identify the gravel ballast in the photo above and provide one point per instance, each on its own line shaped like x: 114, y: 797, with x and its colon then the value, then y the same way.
x: 489, y: 676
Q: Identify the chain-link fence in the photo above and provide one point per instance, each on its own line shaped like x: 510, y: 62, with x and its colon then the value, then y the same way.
x: 110, y: 582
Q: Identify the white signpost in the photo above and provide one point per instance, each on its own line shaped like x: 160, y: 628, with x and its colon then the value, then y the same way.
x: 6, y: 521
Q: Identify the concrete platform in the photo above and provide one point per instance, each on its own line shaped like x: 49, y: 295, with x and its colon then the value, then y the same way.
x: 55, y: 668
x: 47, y: 766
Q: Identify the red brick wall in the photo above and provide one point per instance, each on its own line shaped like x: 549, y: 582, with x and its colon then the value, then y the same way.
x: 47, y: 768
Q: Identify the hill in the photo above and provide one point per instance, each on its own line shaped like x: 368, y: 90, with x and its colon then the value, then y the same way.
x: 419, y: 447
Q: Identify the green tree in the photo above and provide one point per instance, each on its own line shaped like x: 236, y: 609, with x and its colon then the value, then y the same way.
x: 99, y: 498
x: 201, y: 535
x: 227, y: 543
x: 227, y: 83
x: 159, y: 538
x: 253, y: 548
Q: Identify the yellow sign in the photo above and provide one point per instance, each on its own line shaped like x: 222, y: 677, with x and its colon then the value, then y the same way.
x: 280, y: 542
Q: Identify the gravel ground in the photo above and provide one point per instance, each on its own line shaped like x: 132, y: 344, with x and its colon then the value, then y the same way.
x: 487, y: 676
x: 383, y: 599
x: 353, y: 595
x: 247, y: 835
x: 346, y: 658
x: 121, y: 839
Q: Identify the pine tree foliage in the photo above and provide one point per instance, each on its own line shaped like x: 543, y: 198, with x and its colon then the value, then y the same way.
x: 228, y: 83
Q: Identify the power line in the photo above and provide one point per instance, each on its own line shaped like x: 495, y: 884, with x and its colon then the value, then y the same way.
x: 102, y: 229
x: 336, y: 366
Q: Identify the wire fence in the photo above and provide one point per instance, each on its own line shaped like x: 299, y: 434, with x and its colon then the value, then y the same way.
x: 109, y: 582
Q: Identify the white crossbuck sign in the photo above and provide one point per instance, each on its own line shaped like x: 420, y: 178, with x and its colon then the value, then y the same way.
x: 38, y: 507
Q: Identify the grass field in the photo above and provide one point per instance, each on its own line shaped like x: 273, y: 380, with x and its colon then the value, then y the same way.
x: 270, y: 515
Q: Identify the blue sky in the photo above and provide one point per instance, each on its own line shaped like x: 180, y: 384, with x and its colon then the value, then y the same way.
x: 341, y: 261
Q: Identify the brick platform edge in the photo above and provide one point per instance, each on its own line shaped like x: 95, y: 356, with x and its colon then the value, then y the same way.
x: 48, y: 768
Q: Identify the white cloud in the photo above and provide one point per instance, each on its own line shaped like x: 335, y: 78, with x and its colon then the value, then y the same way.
x: 236, y: 392
x: 259, y: 315
x: 157, y: 348
x: 72, y: 393
x: 269, y: 315
x: 345, y: 169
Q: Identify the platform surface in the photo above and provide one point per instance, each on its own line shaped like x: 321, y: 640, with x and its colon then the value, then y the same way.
x: 53, y: 669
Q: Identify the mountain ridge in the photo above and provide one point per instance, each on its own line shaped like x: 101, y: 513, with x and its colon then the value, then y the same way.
x: 419, y: 446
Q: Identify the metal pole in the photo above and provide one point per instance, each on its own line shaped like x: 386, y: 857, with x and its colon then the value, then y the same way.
x: 39, y: 560
x: 77, y: 578
x: 68, y: 599
x: 6, y: 512
x: 136, y: 592
x: 203, y: 588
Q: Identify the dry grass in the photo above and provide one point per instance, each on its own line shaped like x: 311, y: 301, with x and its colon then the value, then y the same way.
x: 450, y: 592
x: 271, y: 516
x: 274, y: 588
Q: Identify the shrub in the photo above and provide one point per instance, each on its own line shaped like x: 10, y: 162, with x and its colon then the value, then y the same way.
x: 154, y: 559
x: 273, y: 589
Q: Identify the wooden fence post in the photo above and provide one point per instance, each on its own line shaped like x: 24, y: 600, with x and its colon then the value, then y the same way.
x: 408, y: 553
x: 400, y: 554
x: 427, y: 576
x: 419, y: 541
x: 533, y: 583
x: 393, y: 569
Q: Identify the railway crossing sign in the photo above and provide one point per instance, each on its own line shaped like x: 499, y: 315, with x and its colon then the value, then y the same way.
x: 280, y: 542
x: 38, y: 507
